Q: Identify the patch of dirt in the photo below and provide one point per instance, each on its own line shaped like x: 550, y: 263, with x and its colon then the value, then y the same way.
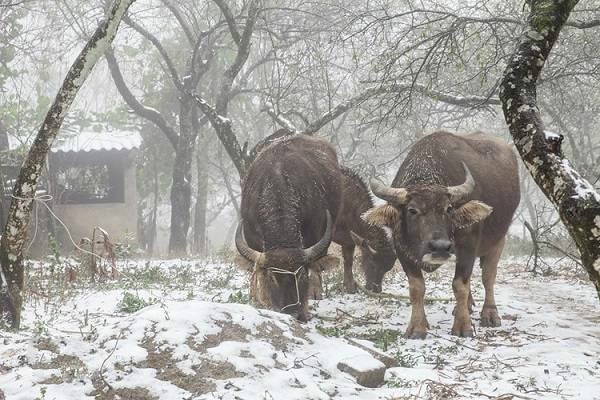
x: 45, y: 343
x: 53, y: 380
x: 217, y: 370
x: 273, y: 335
x: 229, y: 332
x: 200, y: 383
x: 70, y: 367
x: 101, y: 392
x: 300, y: 331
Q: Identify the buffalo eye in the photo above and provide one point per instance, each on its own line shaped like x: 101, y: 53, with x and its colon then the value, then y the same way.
x: 449, y: 209
x: 413, y: 211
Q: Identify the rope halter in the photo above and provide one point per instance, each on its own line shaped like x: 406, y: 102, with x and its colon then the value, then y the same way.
x: 295, y: 274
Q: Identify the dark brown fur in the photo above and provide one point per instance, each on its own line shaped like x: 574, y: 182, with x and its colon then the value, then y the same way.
x: 436, y: 160
x: 377, y: 253
x: 427, y: 215
x: 285, y: 195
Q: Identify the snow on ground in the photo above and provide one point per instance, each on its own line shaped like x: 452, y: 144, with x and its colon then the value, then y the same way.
x: 180, y: 330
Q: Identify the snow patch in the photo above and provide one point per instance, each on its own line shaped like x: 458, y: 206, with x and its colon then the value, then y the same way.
x: 535, y: 35
x: 583, y: 189
x: 551, y: 135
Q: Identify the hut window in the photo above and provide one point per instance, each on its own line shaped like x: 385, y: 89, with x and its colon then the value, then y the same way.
x: 92, y: 183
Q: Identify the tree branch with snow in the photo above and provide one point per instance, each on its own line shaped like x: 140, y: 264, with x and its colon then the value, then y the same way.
x: 141, y: 110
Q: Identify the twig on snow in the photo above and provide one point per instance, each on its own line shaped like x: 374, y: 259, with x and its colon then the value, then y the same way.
x: 101, y: 372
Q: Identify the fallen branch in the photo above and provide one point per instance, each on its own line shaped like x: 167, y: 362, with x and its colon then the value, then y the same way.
x: 101, y: 371
x: 505, y: 396
x: 456, y: 342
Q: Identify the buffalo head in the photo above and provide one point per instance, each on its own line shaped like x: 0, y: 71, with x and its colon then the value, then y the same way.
x: 280, y: 277
x: 423, y: 218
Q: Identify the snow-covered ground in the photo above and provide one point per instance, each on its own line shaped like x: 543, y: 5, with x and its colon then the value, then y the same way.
x: 180, y: 330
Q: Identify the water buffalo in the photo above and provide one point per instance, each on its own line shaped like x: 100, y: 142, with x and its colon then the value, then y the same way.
x: 351, y: 231
x: 291, y: 196
x: 453, y: 199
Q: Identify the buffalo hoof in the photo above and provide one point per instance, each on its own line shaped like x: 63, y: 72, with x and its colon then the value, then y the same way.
x: 416, y: 335
x: 416, y: 332
x: 350, y: 286
x: 462, y: 332
x: 490, y: 317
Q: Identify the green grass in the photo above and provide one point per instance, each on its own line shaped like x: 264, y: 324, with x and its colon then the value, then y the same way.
x: 131, y: 303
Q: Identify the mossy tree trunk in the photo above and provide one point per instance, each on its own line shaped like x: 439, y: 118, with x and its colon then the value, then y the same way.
x: 576, y: 200
x: 19, y: 213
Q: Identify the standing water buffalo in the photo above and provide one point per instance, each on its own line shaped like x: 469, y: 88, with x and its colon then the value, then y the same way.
x: 290, y: 199
x: 351, y: 231
x: 453, y: 199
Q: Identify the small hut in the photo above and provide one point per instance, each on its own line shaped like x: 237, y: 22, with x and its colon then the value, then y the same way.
x: 92, y: 180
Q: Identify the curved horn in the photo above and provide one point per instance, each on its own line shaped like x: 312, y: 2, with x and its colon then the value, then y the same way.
x: 391, y: 195
x: 245, y: 250
x: 316, y: 250
x: 458, y: 192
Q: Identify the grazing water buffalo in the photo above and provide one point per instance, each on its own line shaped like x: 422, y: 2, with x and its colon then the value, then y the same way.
x: 453, y: 199
x: 290, y: 198
x: 351, y: 231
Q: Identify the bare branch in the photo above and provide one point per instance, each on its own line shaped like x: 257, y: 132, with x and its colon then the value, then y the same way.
x: 278, y: 118
x: 222, y: 127
x: 240, y: 59
x: 583, y: 24
x: 145, y: 112
x: 159, y: 47
x: 462, y: 101
x: 230, y: 19
x: 182, y: 22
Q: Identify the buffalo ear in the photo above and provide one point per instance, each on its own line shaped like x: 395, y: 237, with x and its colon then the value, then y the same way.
x: 470, y: 213
x: 243, y: 263
x: 324, y: 263
x: 382, y: 216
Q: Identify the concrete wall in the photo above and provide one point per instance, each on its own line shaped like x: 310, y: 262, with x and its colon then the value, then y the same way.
x: 118, y: 219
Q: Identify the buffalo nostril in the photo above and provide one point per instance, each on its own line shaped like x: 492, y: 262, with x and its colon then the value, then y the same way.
x: 440, y: 246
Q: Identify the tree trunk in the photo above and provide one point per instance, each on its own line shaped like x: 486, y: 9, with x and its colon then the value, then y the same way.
x: 577, y: 201
x: 3, y: 147
x: 19, y: 214
x: 3, y: 137
x: 181, y: 188
x: 200, y: 210
x: 151, y: 239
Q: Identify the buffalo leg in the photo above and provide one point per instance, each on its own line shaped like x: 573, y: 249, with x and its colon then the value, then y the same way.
x: 489, y: 266
x: 471, y: 303
x: 417, y: 327
x: 461, y: 285
x: 348, y: 255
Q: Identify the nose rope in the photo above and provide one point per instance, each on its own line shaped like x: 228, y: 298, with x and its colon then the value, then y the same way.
x: 295, y: 274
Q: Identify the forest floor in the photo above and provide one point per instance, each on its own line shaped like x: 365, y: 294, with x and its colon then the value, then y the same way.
x: 180, y: 329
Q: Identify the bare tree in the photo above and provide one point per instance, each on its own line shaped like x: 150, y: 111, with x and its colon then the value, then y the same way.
x: 576, y: 200
x: 19, y: 214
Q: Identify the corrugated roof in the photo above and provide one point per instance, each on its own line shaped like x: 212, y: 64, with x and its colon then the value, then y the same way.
x: 86, y: 141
